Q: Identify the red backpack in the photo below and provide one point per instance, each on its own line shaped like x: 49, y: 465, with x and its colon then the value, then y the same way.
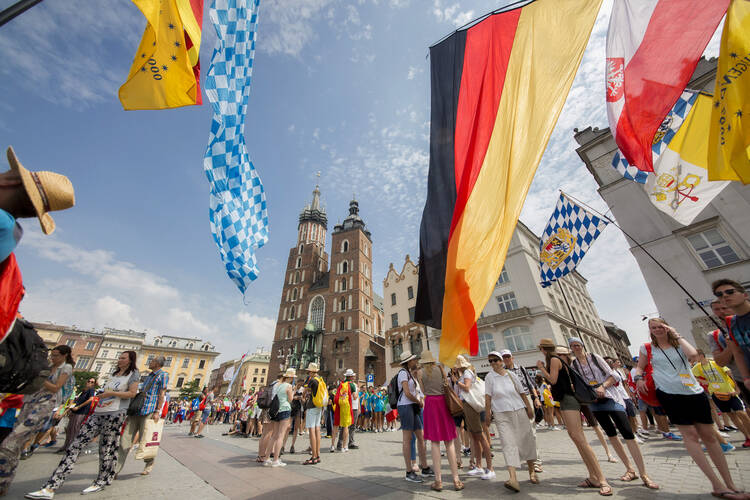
x: 648, y: 377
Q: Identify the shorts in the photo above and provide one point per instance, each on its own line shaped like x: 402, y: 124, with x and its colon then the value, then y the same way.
x: 312, y: 417
x: 732, y: 404
x: 630, y: 408
x: 204, y: 415
x: 644, y: 407
x: 744, y: 393
x: 613, y: 421
x: 411, y: 417
x: 686, y: 409
x: 569, y: 402
x: 458, y: 420
x: 472, y: 419
x: 282, y: 415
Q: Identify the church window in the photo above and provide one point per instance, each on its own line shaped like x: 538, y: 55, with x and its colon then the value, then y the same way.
x: 345, y: 246
x: 317, y: 309
x: 349, y: 323
x: 343, y: 304
x: 300, y: 249
x: 296, y: 277
x: 294, y: 294
x: 342, y: 325
x: 289, y: 332
x: 299, y: 261
x: 410, y: 292
x: 291, y: 313
x: 343, y: 285
x: 344, y: 267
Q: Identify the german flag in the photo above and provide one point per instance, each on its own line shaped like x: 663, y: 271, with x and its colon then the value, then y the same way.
x: 497, y: 90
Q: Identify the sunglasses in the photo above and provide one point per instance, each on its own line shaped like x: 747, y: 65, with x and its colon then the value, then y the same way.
x: 730, y: 291
x: 494, y: 360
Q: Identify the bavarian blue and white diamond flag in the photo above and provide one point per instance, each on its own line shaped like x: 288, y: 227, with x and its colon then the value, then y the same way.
x: 569, y: 233
x: 237, y: 202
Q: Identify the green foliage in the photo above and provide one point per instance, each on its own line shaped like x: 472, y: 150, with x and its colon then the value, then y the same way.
x: 81, y: 378
x: 190, y: 390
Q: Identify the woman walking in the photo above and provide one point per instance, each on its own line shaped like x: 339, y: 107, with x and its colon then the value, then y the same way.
x: 511, y: 411
x: 105, y: 422
x: 556, y: 372
x: 684, y: 401
x: 77, y: 413
x: 438, y: 422
x: 609, y: 409
x: 473, y: 421
x: 285, y: 393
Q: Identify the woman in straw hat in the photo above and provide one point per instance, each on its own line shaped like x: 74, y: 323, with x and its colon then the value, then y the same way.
x: 438, y: 422
x: 285, y: 393
x: 556, y: 371
x: 410, y: 414
x: 473, y: 420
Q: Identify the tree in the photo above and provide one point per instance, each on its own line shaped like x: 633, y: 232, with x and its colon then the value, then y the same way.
x: 190, y: 390
x: 82, y: 377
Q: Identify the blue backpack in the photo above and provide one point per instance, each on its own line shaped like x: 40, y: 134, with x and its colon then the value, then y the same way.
x: 196, y: 404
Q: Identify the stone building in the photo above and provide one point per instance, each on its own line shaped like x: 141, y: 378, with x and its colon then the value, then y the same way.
x: 327, y: 311
x: 621, y: 343
x: 716, y: 245
x: 187, y: 359
x: 113, y: 343
x: 253, y: 374
x: 50, y: 333
x: 84, y: 344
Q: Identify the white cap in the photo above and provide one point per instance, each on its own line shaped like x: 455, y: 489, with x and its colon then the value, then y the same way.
x: 505, y: 352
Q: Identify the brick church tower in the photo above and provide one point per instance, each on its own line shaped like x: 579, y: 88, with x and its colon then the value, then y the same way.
x: 328, y: 316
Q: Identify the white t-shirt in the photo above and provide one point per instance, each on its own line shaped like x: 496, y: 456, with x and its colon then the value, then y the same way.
x: 403, y: 376
x: 117, y: 384
x: 355, y: 402
x: 502, y: 391
x: 468, y: 376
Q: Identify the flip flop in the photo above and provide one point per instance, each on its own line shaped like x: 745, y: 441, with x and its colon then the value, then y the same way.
x: 732, y: 495
x: 511, y: 486
x: 588, y: 484
x: 605, y: 490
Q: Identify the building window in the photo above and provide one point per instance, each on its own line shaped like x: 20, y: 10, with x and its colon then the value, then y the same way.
x: 299, y: 262
x: 201, y: 364
x: 291, y: 313
x: 70, y: 343
x: 255, y: 380
x: 90, y: 346
x: 504, y: 278
x: 712, y: 248
x: 344, y: 246
x: 197, y: 381
x: 99, y: 366
x: 411, y: 314
x: 342, y: 324
x: 394, y: 320
x: 415, y: 344
x: 507, y: 302
x: 316, y: 312
x: 294, y: 294
x: 105, y: 353
x: 168, y: 362
x: 393, y: 299
x: 185, y: 362
x: 180, y: 381
x: 343, y: 304
x: 517, y: 338
x: 398, y: 348
x: 150, y: 359
x: 82, y: 363
x: 410, y: 292
x: 263, y: 370
x: 486, y: 343
x: 345, y: 267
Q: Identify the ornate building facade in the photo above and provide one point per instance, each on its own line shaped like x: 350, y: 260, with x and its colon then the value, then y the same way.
x: 328, y: 313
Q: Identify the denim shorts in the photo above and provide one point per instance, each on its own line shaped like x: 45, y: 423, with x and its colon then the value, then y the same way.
x: 312, y: 417
x: 411, y: 417
x: 282, y: 415
x: 204, y: 416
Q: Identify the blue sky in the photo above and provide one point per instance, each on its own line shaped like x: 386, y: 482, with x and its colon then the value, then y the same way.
x: 340, y: 87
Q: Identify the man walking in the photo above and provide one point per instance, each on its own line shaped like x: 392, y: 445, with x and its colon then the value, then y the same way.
x: 154, y: 389
x: 314, y: 410
x: 349, y: 379
x: 733, y: 296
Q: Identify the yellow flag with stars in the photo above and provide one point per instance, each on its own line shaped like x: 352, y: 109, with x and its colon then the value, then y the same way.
x: 729, y: 142
x: 162, y: 74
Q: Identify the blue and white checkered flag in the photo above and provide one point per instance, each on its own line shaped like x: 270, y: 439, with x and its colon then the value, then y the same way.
x: 663, y: 137
x: 569, y: 233
x: 237, y: 210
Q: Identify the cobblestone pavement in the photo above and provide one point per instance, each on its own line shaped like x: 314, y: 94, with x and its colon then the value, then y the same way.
x: 223, y: 467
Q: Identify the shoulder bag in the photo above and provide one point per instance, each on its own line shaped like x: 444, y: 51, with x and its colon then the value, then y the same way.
x: 475, y: 395
x: 581, y: 390
x: 452, y: 400
x: 134, y: 408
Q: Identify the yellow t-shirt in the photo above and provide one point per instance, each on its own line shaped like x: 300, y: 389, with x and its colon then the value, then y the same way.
x: 715, y: 377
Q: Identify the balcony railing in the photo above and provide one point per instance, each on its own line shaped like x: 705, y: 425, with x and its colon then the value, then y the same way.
x: 506, y: 316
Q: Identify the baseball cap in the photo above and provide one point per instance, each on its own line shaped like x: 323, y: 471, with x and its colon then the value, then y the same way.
x: 494, y: 353
x: 505, y: 352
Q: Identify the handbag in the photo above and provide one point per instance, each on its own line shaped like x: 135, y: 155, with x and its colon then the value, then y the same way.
x: 151, y: 439
x: 475, y: 396
x: 582, y: 391
x: 452, y: 401
x: 134, y: 408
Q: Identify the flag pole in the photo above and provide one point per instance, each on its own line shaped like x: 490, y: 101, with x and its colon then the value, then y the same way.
x: 16, y: 10
x: 570, y: 310
x: 638, y: 244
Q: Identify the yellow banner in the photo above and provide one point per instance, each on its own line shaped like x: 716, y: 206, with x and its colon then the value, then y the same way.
x: 729, y: 142
x: 161, y: 75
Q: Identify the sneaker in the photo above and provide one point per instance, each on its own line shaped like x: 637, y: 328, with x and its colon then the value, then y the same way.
x: 278, y: 463
x: 639, y: 440
x: 644, y: 434
x: 412, y: 476
x: 332, y: 449
x: 476, y: 471
x: 427, y: 471
x: 746, y: 444
x: 672, y: 436
x: 724, y: 434
x: 726, y: 448
x: 488, y: 474
x: 353, y: 447
x: 91, y: 489
x: 199, y: 436
x: 267, y: 462
x: 44, y: 493
x: 51, y: 443
x: 190, y: 433
x: 344, y: 450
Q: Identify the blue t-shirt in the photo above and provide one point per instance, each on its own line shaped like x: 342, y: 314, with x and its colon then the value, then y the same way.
x: 10, y: 234
x: 741, y: 332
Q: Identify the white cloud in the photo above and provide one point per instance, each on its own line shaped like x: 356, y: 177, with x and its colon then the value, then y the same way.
x: 111, y: 312
x: 413, y: 72
x: 257, y: 326
x: 289, y: 24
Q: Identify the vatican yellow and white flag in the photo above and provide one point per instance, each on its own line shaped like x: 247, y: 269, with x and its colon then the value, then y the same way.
x: 679, y: 185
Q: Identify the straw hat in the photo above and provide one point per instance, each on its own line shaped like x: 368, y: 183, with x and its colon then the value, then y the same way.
x: 562, y: 350
x: 547, y: 343
x: 48, y: 191
x: 461, y: 362
x: 406, y: 356
x: 427, y: 358
x: 290, y: 373
x: 313, y: 368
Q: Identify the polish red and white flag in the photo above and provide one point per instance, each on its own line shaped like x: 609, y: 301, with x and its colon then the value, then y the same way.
x: 653, y: 47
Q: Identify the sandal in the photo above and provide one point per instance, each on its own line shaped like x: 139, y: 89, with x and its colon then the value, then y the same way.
x: 317, y: 460
x: 731, y: 495
x: 260, y: 459
x: 512, y: 486
x: 605, y: 490
x: 532, y: 478
x: 648, y: 483
x: 436, y: 486
x: 458, y: 485
x: 629, y: 476
x: 309, y: 461
x: 588, y: 484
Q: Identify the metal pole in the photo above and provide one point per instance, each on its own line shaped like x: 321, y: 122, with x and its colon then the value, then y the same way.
x: 16, y: 9
x: 570, y: 310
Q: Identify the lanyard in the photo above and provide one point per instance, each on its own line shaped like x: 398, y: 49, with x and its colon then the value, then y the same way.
x: 719, y: 378
x: 670, y: 361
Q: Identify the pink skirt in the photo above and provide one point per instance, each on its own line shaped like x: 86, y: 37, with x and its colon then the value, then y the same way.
x: 438, y: 422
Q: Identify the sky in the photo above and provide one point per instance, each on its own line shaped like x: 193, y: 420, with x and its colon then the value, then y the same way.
x: 339, y: 87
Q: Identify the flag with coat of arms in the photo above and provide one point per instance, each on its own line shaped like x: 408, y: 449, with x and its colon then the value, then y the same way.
x: 569, y: 233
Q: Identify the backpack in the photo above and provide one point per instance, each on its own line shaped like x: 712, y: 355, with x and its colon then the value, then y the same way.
x: 394, y: 391
x: 265, y: 397
x: 195, y: 405
x: 320, y: 398
x: 649, y: 397
x: 23, y: 360
x: 273, y: 408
